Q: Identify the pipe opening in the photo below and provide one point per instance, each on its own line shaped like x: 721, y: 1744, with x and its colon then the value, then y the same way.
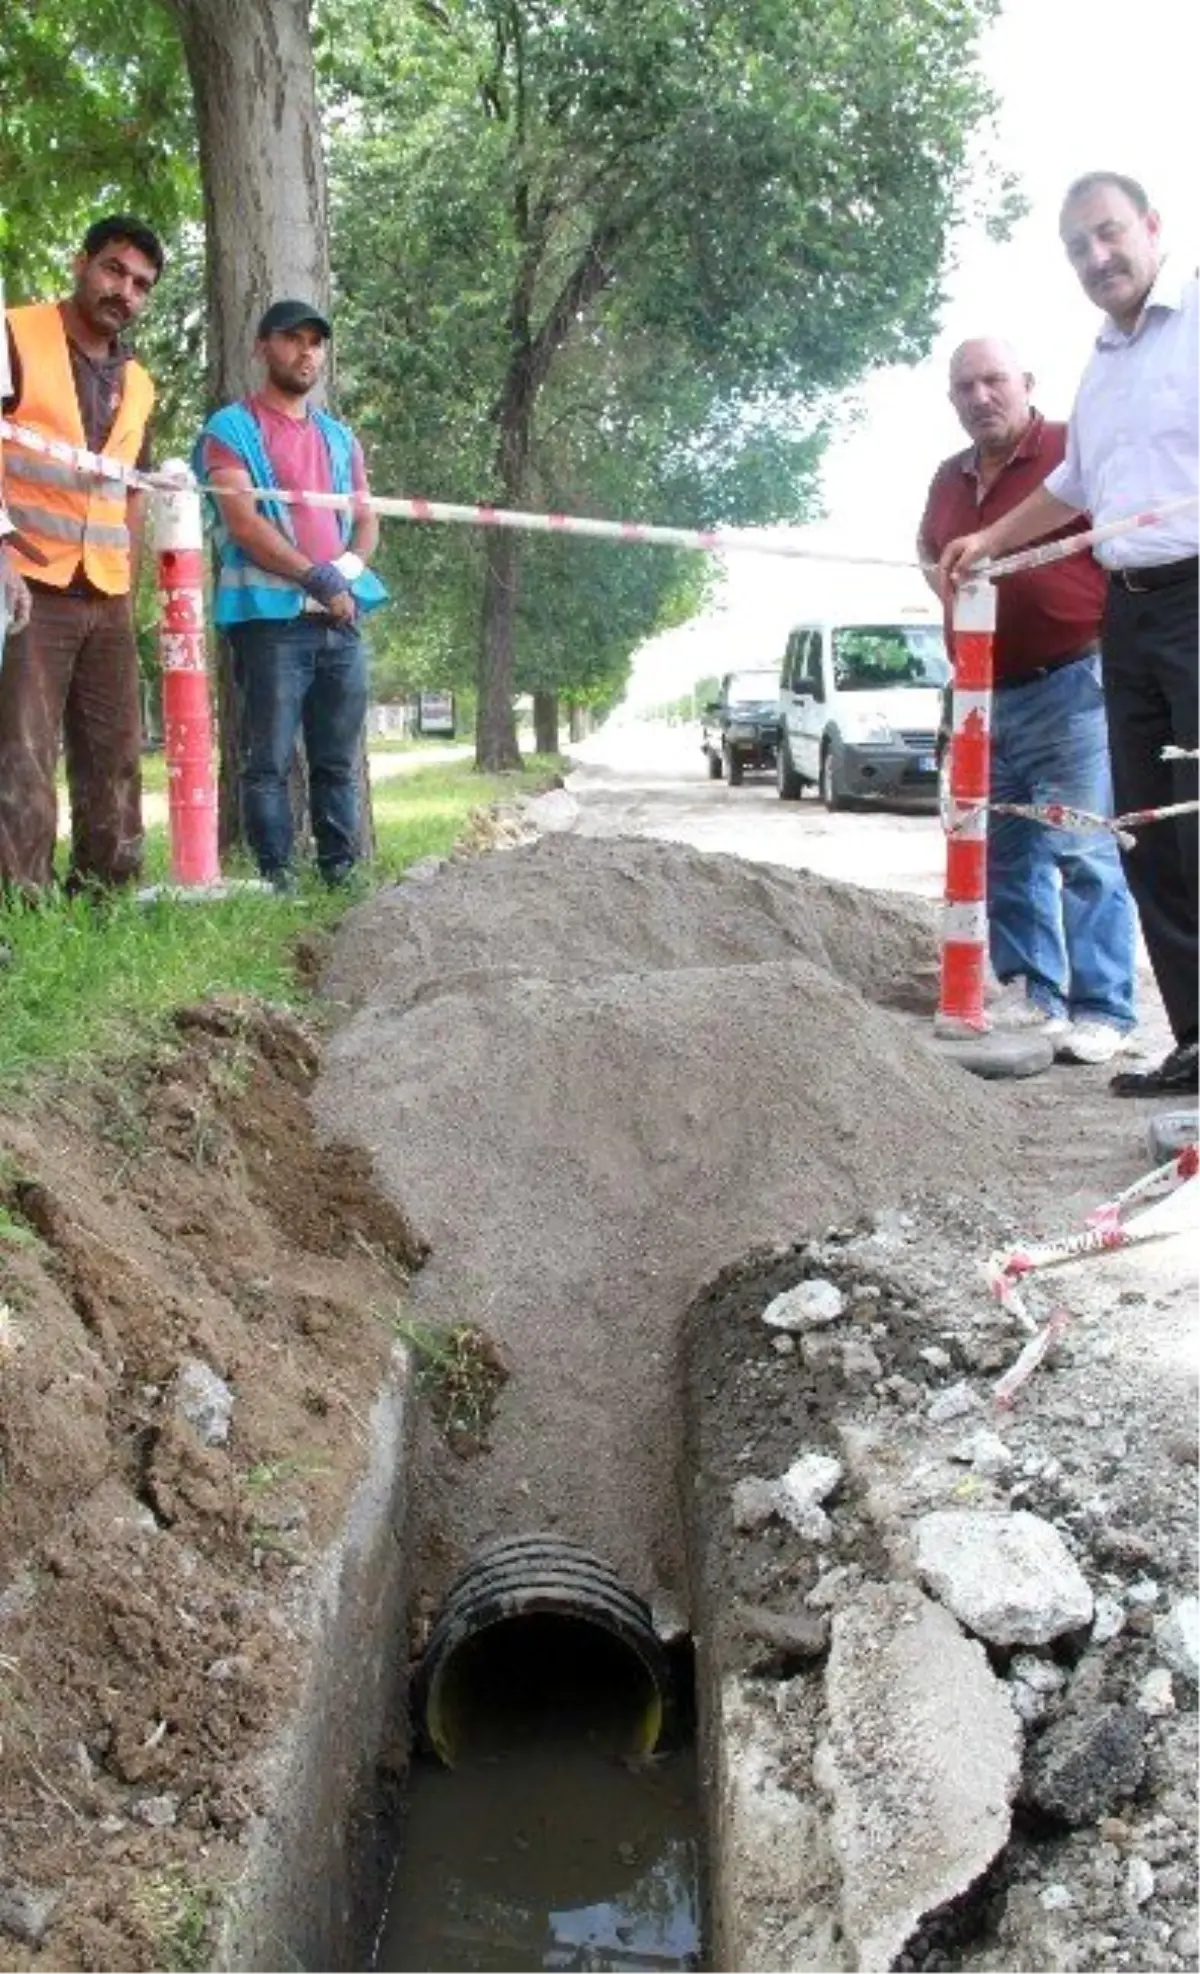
x: 539, y: 1677
x: 534, y: 1629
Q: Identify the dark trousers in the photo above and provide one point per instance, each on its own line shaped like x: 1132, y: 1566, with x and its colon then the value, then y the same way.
x: 73, y: 671
x: 306, y: 674
x: 1149, y: 644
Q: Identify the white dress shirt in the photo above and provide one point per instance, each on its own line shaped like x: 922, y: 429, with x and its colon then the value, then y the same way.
x: 1134, y: 436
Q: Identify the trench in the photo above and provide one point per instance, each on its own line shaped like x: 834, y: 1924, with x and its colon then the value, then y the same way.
x: 551, y: 1813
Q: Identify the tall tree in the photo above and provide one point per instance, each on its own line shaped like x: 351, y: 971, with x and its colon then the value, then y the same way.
x: 760, y: 189
x: 262, y: 167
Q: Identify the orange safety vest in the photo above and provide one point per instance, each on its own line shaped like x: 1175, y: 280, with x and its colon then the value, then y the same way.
x: 72, y: 517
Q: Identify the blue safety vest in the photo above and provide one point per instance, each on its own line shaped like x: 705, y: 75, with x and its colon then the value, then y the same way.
x: 245, y: 592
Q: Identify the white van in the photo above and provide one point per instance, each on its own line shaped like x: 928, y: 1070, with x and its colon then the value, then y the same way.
x: 859, y: 699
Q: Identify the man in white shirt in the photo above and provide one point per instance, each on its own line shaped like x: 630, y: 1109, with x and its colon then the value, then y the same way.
x: 14, y: 597
x: 1132, y: 447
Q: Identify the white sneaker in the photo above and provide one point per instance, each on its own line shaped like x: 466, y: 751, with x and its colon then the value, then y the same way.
x: 1090, y: 1041
x: 1012, y: 1010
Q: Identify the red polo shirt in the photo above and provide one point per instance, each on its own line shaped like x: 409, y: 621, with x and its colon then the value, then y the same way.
x: 1041, y: 614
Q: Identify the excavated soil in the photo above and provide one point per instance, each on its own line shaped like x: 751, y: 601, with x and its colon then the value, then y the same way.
x: 181, y: 1211
x: 595, y: 1073
x: 580, y: 1082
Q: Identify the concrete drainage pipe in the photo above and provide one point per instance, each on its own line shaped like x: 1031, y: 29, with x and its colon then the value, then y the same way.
x: 543, y: 1615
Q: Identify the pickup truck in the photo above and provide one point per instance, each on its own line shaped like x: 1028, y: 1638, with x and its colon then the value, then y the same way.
x: 741, y: 728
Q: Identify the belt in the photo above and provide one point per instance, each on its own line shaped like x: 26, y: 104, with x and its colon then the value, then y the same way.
x: 1161, y: 576
x: 1045, y: 671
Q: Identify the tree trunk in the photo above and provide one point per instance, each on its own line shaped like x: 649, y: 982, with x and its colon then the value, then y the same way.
x: 496, y: 725
x: 495, y: 721
x: 545, y: 722
x: 266, y: 218
x: 580, y: 724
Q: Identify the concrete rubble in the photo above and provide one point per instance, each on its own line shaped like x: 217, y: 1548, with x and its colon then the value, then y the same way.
x: 1085, y: 1764
x: 1009, y: 1578
x: 920, y: 1757
x: 808, y: 1306
x: 1177, y: 1639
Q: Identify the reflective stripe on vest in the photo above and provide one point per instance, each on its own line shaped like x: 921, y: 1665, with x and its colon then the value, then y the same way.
x: 74, y: 518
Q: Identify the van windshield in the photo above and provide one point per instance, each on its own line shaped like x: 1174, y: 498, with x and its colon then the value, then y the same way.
x: 867, y: 656
x: 753, y: 689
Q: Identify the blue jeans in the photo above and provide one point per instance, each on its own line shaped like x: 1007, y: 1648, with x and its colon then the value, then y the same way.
x: 1059, y: 911
x: 309, y: 673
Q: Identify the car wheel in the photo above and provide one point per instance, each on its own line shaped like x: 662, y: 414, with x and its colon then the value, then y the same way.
x: 735, y: 770
x: 787, y: 781
x: 715, y: 765
x: 833, y: 795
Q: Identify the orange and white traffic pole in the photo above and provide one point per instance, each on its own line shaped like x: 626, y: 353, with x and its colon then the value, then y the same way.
x: 187, y: 713
x: 964, y: 915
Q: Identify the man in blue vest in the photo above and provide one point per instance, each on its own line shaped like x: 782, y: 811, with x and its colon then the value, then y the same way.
x: 292, y: 584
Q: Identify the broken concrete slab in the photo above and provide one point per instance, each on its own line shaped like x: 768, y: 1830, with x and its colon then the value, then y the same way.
x: 1009, y: 1578
x: 773, y: 1887
x: 921, y: 1757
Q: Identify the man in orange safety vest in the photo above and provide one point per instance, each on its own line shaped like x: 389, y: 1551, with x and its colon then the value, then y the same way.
x: 73, y: 670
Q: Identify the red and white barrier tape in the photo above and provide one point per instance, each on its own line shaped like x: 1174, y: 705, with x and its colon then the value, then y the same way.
x: 1057, y: 551
x: 1059, y: 815
x: 710, y: 541
x: 1104, y: 1233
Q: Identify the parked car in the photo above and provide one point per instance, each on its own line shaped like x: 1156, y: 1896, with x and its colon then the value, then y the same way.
x: 859, y: 704
x: 945, y: 728
x: 741, y: 728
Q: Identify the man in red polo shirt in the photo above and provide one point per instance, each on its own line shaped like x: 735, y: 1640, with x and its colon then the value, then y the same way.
x: 1060, y: 920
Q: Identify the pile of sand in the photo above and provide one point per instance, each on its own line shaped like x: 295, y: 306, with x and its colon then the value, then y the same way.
x: 595, y: 1072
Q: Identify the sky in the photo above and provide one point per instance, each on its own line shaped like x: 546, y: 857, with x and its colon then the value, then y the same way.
x: 1084, y: 84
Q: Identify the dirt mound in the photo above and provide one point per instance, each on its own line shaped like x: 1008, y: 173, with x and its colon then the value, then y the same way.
x: 180, y: 1216
x: 569, y: 908
x: 595, y: 1072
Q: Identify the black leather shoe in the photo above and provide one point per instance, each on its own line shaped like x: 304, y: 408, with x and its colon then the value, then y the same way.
x: 1176, y: 1076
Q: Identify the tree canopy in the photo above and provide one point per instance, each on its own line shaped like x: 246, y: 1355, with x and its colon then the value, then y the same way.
x: 585, y: 255
x: 95, y: 116
x: 630, y: 251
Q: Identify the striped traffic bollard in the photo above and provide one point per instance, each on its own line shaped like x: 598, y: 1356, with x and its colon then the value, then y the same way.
x: 187, y: 716
x: 964, y: 919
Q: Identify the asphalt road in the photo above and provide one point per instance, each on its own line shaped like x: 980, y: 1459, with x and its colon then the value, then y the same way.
x: 652, y: 780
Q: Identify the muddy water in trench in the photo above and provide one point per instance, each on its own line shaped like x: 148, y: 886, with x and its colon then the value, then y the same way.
x: 545, y: 1846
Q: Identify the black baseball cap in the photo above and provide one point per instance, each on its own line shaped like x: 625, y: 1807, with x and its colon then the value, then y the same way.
x: 293, y: 315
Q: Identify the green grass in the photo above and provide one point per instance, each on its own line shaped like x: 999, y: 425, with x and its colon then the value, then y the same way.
x: 87, y: 986
x: 154, y: 765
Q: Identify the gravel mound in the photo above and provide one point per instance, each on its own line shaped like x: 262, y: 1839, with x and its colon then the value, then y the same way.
x: 571, y: 908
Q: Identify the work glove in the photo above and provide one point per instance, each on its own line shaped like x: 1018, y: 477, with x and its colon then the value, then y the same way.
x: 323, y: 582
